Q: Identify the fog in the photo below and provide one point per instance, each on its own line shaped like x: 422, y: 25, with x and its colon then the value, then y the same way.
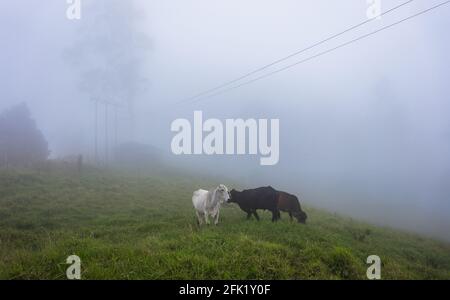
x: 364, y: 130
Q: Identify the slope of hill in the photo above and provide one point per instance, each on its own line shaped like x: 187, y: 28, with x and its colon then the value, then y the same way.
x: 124, y: 226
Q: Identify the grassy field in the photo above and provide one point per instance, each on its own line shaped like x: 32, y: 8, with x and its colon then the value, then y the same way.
x: 126, y: 226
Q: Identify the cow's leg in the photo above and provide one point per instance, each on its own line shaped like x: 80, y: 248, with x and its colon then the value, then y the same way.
x: 206, y: 218
x: 275, y: 215
x: 256, y: 214
x: 216, y: 218
x: 199, y: 218
x: 290, y: 215
x: 249, y: 215
x: 278, y: 214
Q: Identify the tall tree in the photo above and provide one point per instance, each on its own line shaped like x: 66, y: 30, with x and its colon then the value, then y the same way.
x: 21, y: 142
x: 110, y: 53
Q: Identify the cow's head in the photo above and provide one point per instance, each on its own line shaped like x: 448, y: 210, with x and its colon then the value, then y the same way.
x: 301, y: 217
x: 224, y: 195
x: 233, y: 196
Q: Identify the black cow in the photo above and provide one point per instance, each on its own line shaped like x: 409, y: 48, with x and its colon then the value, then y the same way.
x: 289, y: 203
x: 259, y: 198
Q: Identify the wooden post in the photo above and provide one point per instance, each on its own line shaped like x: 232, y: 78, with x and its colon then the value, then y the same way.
x: 79, y: 163
x: 96, y: 134
x: 106, y: 132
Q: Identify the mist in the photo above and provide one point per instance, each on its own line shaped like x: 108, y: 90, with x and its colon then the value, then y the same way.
x: 364, y: 130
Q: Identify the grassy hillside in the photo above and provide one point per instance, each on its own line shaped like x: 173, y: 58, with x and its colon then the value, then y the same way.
x: 143, y: 227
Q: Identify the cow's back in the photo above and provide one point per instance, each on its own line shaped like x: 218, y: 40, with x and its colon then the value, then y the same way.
x: 288, y: 202
x: 260, y: 198
x: 199, y: 199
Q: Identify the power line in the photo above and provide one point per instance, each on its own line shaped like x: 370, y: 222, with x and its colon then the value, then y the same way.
x: 295, y: 53
x: 106, y: 103
x: 321, y: 53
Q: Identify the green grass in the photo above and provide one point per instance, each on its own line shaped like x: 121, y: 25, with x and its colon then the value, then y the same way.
x: 124, y: 226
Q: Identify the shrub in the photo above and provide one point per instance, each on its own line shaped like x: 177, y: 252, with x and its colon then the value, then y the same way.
x: 342, y: 263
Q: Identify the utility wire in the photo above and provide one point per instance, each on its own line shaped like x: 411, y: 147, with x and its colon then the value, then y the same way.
x: 295, y: 53
x: 321, y: 53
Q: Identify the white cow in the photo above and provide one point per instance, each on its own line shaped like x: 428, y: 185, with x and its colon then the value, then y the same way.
x: 207, y: 203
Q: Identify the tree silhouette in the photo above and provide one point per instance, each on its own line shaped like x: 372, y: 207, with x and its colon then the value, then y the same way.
x: 110, y: 54
x: 21, y: 142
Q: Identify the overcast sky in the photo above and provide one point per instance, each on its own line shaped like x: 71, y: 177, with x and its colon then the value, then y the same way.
x: 364, y: 130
